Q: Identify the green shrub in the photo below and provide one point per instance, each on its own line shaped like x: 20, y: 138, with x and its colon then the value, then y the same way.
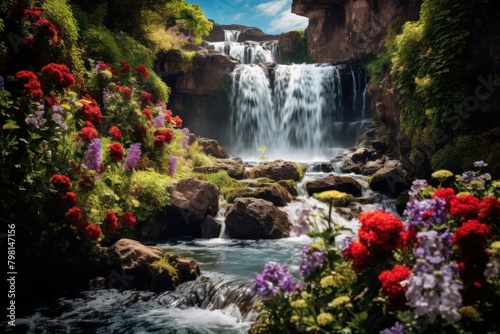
x: 151, y: 190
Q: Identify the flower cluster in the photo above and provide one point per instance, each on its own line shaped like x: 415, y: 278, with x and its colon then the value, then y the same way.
x: 45, y: 27
x: 58, y: 74
x: 312, y: 258
x: 274, y: 279
x: 392, y: 288
x: 32, y: 86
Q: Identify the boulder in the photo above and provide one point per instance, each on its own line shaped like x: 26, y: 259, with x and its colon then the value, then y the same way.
x: 210, y: 228
x: 371, y: 167
x: 391, y: 179
x: 278, y: 170
x: 191, y: 200
x: 254, y: 218
x: 171, y: 271
x: 212, y: 147
x: 216, y: 34
x: 272, y: 192
x: 364, y: 154
x: 255, y: 34
x: 233, y: 167
x: 344, y: 184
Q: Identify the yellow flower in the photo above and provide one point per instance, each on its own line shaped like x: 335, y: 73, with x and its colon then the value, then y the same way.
x: 327, y: 282
x: 66, y: 106
x: 294, y: 318
x: 324, y: 319
x: 78, y: 104
x: 442, y: 174
x: 477, y: 183
x: 469, y: 312
x: 495, y: 248
x: 339, y: 301
x: 305, y: 294
x: 334, y: 197
x: 301, y: 303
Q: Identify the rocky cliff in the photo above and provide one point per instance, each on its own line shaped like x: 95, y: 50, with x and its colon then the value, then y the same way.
x: 341, y: 29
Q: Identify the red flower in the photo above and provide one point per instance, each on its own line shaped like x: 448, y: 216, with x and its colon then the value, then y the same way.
x: 178, y: 121
x: 88, y: 124
x: 466, y: 206
x: 472, y: 236
x: 51, y: 100
x: 82, y: 224
x: 140, y: 133
x: 104, y: 67
x: 86, y: 183
x: 446, y: 194
x: 111, y: 222
x: 127, y: 92
x: 408, y: 238
x: 380, y: 230
x: 74, y: 215
x: 116, y: 152
x: 159, y: 141
x: 142, y: 70
x: 59, y: 74
x: 115, y: 133
x: 87, y: 133
x: 124, y: 67
x: 93, y: 232
x: 167, y: 133
x: 69, y: 199
x: 391, y: 286
x: 89, y: 112
x: 32, y: 86
x: 145, y: 97
x: 147, y: 113
x: 62, y: 183
x: 489, y: 210
x: 359, y: 254
x: 128, y: 219
x: 49, y: 30
x: 34, y: 13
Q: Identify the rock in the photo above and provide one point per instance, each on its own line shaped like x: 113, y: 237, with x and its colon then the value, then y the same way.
x: 210, y: 228
x: 128, y: 254
x: 364, y: 154
x: 212, y: 147
x: 372, y: 167
x: 391, y: 179
x: 216, y: 34
x: 130, y: 260
x: 322, y: 167
x: 340, y: 29
x: 272, y: 192
x: 191, y: 200
x: 344, y: 184
x: 172, y: 271
x: 293, y: 48
x: 350, y: 166
x: 233, y: 167
x: 279, y: 170
x: 254, y: 218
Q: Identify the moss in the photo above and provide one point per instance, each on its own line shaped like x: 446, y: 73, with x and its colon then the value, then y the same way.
x: 164, y: 264
x: 290, y: 186
x: 298, y: 54
x: 224, y: 182
x: 151, y: 190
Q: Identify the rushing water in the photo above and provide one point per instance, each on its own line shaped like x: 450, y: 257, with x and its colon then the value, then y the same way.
x: 220, y: 301
x: 297, y: 111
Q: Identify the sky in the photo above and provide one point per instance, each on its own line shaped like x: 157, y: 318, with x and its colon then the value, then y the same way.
x: 273, y: 17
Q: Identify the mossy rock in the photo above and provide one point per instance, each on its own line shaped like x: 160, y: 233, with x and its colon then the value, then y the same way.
x: 272, y: 192
x: 279, y: 170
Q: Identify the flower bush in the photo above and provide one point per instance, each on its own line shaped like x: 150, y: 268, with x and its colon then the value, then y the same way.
x: 435, y: 271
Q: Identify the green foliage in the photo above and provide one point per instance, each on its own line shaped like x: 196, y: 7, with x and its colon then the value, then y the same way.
x: 224, y: 182
x: 164, y: 264
x: 298, y: 53
x: 428, y: 62
x: 151, y: 190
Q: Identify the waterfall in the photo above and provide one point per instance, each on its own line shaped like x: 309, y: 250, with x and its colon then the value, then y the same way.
x: 300, y: 111
x: 248, y: 52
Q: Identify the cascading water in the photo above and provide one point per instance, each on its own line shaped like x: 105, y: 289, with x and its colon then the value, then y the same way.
x: 245, y: 52
x: 296, y: 111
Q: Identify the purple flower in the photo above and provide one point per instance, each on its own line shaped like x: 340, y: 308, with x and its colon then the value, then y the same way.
x: 396, y: 329
x: 173, y: 164
x: 59, y: 120
x: 468, y: 176
x: 37, y: 119
x: 344, y: 244
x: 486, y: 176
x: 274, y: 279
x: 310, y: 261
x: 159, y: 120
x: 480, y: 163
x: 422, y: 214
x: 94, y: 155
x: 417, y: 185
x: 185, y: 140
x: 301, y: 224
x: 2, y: 82
x: 434, y: 285
x: 133, y: 155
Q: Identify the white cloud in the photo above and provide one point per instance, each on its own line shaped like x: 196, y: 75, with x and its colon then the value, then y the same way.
x: 271, y: 8
x: 287, y: 21
x: 237, y: 16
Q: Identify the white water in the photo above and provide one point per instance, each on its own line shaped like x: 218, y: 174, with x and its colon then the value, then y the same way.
x: 246, y: 52
x: 299, y: 112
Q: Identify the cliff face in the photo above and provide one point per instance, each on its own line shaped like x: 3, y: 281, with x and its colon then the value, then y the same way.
x: 349, y: 29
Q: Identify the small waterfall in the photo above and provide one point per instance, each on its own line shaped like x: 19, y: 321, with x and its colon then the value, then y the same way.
x: 231, y: 35
x: 300, y: 111
x: 245, y: 52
